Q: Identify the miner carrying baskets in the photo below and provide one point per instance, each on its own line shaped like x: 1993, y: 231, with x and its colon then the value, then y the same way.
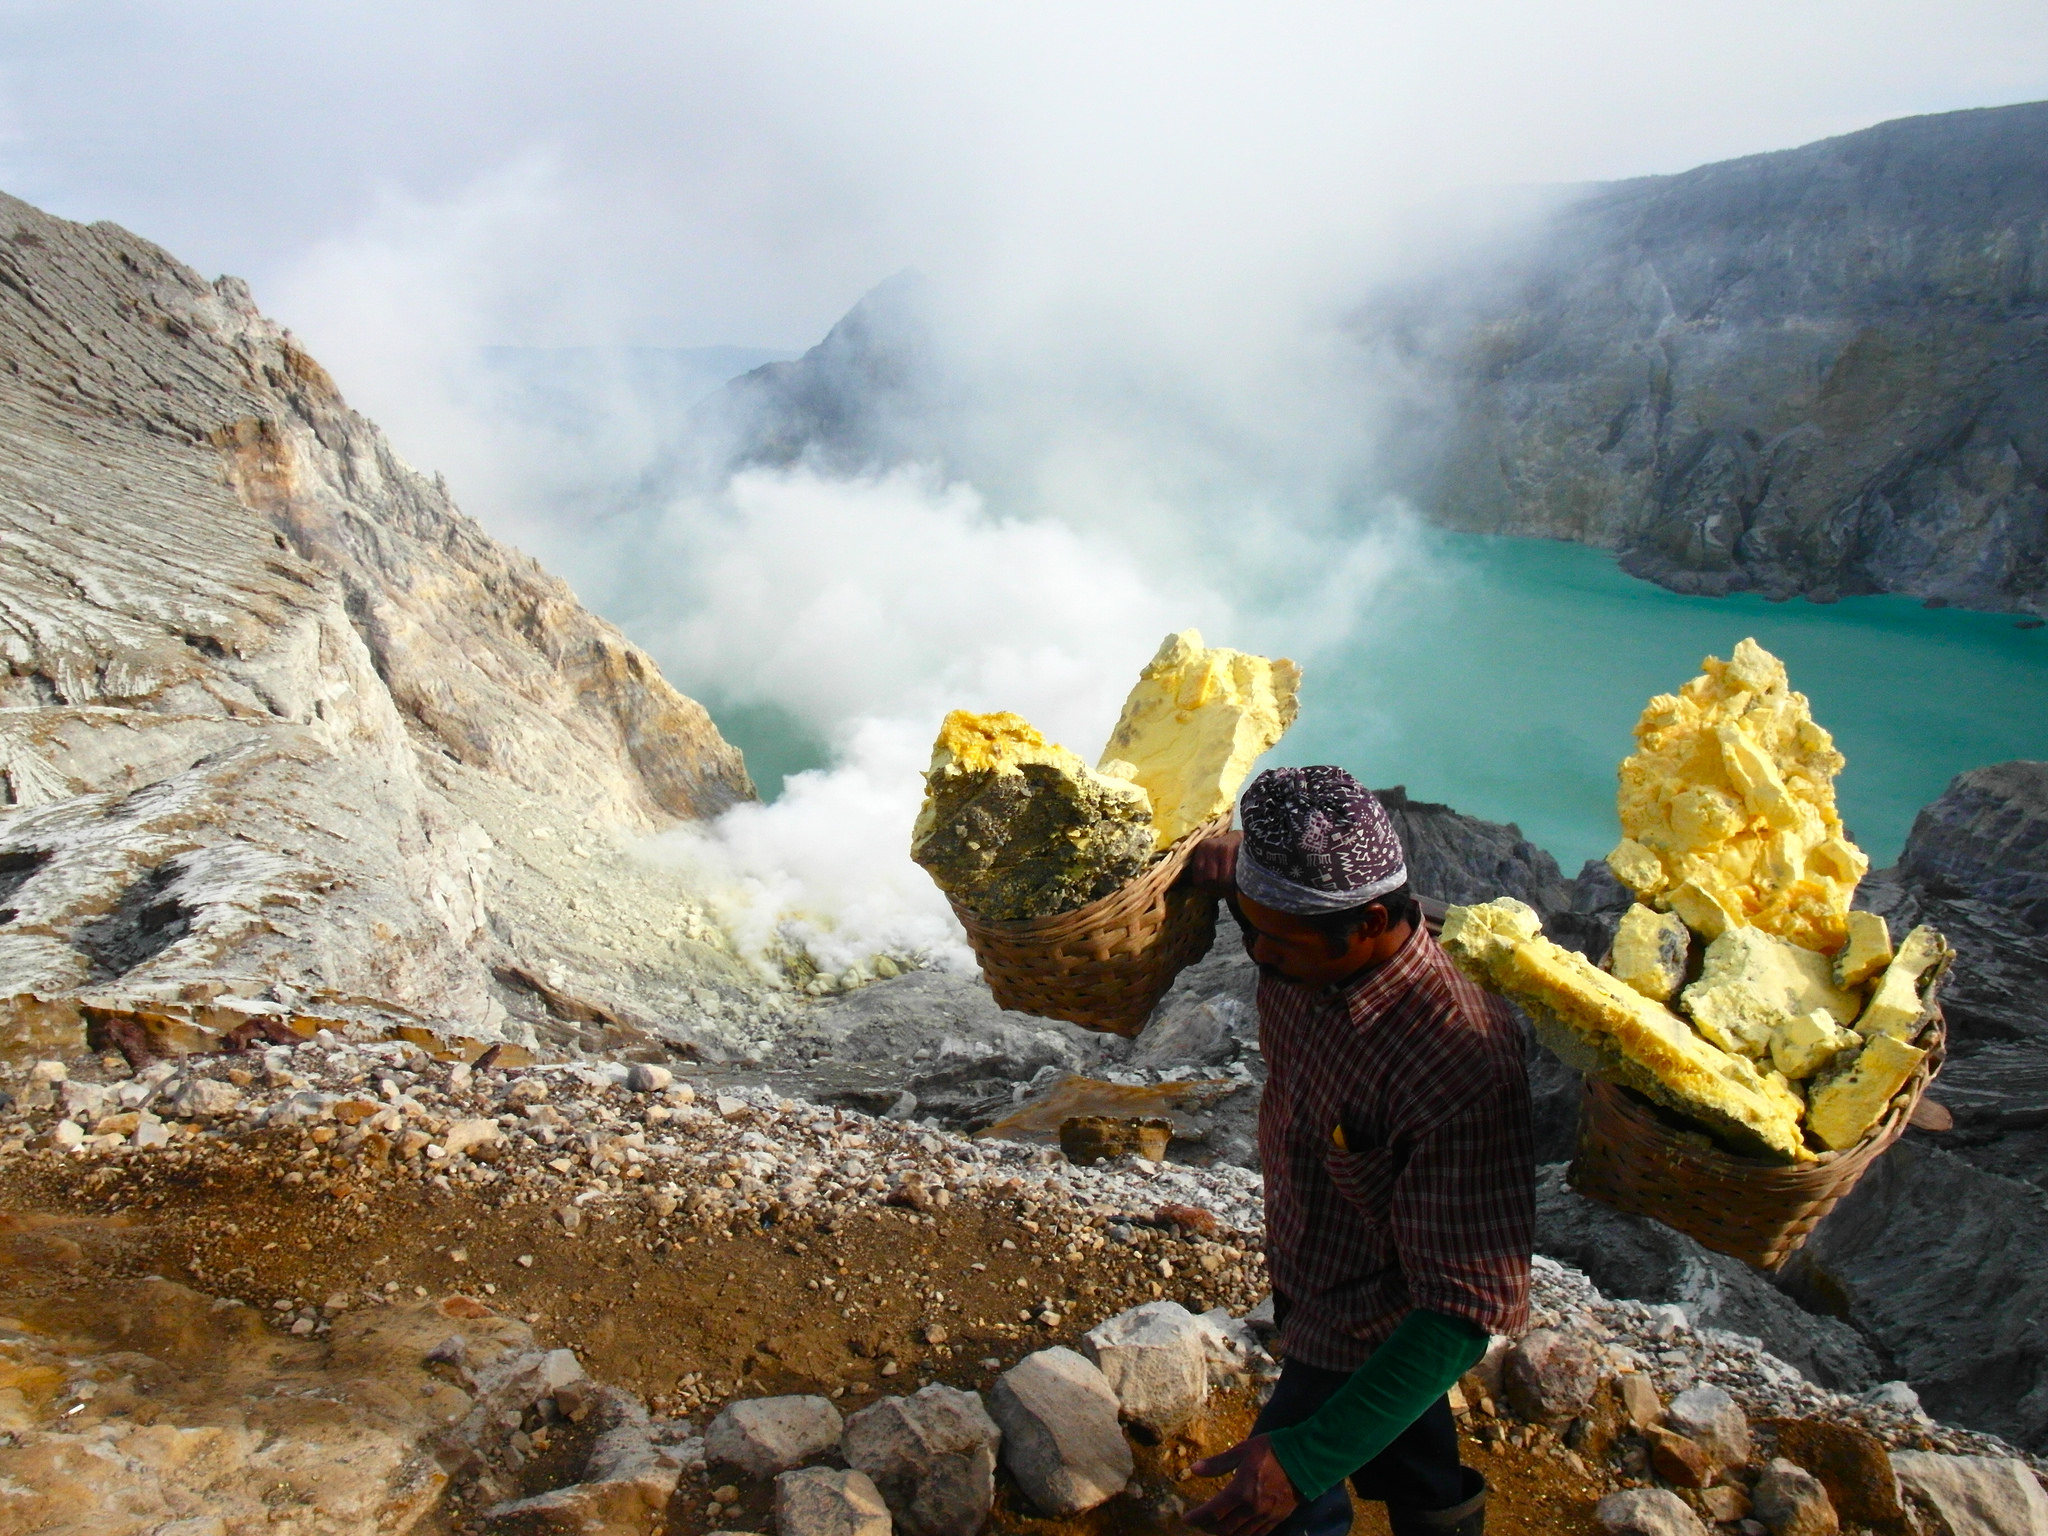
x: 1399, y: 1170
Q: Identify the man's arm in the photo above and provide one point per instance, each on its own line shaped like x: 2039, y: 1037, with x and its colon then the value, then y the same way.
x: 1273, y: 1472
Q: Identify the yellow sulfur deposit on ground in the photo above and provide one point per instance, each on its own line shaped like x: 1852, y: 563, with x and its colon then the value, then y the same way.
x: 1193, y: 726
x: 1015, y: 827
x: 1602, y: 1026
x: 1728, y: 808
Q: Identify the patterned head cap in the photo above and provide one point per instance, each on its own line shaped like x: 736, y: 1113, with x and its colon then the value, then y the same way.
x: 1315, y: 840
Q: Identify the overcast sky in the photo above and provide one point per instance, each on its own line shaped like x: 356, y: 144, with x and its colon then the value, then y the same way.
x: 698, y: 173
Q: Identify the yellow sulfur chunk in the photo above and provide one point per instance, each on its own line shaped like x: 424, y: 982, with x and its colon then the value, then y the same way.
x: 1650, y: 952
x: 1194, y: 725
x: 1015, y: 827
x: 1753, y: 984
x: 1728, y: 807
x: 1849, y: 1102
x: 1868, y: 951
x: 1898, y: 1003
x: 1601, y: 1026
x: 1808, y: 1044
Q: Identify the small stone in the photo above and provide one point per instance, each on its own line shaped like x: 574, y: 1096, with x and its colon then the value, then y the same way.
x: 1646, y: 1512
x: 1679, y: 1459
x: 820, y: 1502
x: 1976, y: 1495
x: 935, y: 1334
x: 47, y: 1072
x: 766, y: 1435
x: 570, y: 1217
x: 932, y: 1455
x: 1724, y: 1505
x: 201, y: 1098
x: 1791, y: 1502
x: 66, y: 1134
x: 1156, y: 1361
x: 1639, y: 1399
x: 645, y: 1077
x: 1714, y: 1421
x: 466, y: 1137
x: 728, y: 1107
x: 1550, y: 1376
x: 1061, y: 1439
x: 1898, y: 1396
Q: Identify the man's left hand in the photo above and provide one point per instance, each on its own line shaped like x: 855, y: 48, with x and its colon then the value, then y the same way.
x: 1257, y: 1497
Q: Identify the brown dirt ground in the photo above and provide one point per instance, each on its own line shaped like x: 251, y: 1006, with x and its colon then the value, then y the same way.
x: 688, y: 1317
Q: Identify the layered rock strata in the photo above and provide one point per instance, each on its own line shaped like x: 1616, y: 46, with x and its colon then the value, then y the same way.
x: 279, y: 723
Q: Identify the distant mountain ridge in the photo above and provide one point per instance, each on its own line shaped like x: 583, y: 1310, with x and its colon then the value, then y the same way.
x: 1821, y: 371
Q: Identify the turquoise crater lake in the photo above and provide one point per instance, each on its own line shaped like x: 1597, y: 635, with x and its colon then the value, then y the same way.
x: 1510, y: 681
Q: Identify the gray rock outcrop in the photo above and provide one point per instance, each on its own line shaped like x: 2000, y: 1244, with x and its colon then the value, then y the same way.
x: 932, y: 1455
x: 1814, y: 371
x: 279, y: 724
x: 1061, y: 1439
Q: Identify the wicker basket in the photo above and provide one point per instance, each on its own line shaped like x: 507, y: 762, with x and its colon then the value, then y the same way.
x: 1630, y: 1157
x: 1105, y: 965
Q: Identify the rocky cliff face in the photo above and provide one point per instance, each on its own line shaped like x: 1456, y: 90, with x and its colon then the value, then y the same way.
x: 1820, y: 371
x: 280, y: 728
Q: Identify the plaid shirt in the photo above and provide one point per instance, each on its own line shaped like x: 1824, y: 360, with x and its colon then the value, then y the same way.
x: 1434, y: 1202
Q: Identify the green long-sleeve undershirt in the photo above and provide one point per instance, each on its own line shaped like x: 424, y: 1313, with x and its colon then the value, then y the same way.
x: 1420, y: 1361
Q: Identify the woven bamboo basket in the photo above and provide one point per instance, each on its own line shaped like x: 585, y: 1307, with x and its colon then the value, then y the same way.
x: 1105, y: 965
x: 1631, y: 1157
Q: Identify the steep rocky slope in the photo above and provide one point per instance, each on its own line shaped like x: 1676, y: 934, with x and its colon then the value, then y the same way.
x: 281, y: 730
x: 1819, y: 371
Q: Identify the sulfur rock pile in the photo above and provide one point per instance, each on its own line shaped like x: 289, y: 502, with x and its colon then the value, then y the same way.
x: 1741, y: 992
x: 1015, y: 827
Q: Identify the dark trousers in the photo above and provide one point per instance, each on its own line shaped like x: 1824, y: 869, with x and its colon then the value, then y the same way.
x: 1418, y: 1471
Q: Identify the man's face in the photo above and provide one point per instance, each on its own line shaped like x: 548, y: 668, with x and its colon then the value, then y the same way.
x: 1292, y: 947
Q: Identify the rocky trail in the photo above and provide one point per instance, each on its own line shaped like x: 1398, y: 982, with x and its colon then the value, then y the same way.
x: 348, y: 1286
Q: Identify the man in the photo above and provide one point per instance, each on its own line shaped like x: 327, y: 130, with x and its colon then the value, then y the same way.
x: 1399, y: 1170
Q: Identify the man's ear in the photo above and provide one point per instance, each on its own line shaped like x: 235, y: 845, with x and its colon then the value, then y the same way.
x: 1374, y: 923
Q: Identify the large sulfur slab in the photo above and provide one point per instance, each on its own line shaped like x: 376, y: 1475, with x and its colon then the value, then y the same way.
x: 1752, y: 985
x: 1015, y: 827
x: 1728, y: 807
x: 1845, y: 1105
x: 1898, y: 1001
x: 1193, y: 726
x: 1604, y: 1027
x: 1651, y: 950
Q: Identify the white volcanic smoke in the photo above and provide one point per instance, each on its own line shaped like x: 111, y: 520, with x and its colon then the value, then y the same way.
x: 871, y: 607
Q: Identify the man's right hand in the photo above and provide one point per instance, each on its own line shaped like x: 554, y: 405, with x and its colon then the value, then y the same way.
x: 1212, y: 865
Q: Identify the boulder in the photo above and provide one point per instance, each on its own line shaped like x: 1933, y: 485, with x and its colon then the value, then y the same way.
x: 1549, y: 1376
x: 1679, y: 1459
x: 1646, y: 1512
x: 1061, y: 1440
x: 818, y: 1501
x: 1714, y: 1421
x: 468, y: 1136
x: 933, y: 1457
x: 1791, y: 1501
x: 645, y: 1077
x: 1640, y: 1403
x: 766, y: 1435
x: 1851, y: 1463
x: 626, y: 1484
x: 1156, y: 1360
x: 201, y: 1098
x: 1976, y: 1495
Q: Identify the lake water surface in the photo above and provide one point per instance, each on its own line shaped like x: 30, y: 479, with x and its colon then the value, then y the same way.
x: 1510, y: 690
